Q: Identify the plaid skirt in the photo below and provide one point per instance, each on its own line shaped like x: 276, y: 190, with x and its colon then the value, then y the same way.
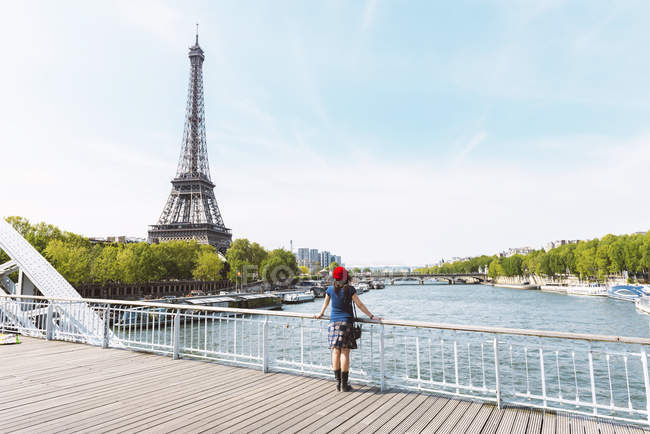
x: 339, y: 335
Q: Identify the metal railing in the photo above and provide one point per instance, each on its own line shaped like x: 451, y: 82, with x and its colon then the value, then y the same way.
x: 602, y: 376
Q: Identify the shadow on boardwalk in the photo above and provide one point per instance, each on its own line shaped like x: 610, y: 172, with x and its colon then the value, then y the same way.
x: 48, y: 386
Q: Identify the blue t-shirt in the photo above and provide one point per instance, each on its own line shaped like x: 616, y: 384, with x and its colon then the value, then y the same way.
x: 341, y: 308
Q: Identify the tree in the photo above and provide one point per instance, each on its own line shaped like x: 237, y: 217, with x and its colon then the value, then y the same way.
x: 105, y: 267
x: 243, y: 255
x: 208, y: 266
x: 332, y: 265
x: 356, y: 270
x: 303, y: 269
x: 73, y: 262
x: 494, y: 269
x: 279, y: 266
x: 512, y: 265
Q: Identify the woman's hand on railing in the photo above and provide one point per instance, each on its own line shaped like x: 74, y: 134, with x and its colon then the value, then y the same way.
x: 318, y: 315
x: 376, y: 318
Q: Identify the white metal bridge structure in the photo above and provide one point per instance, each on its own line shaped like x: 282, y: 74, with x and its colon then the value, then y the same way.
x: 35, y: 274
x: 605, y: 377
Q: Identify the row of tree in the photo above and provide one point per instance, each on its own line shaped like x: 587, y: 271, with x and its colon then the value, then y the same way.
x: 593, y: 259
x: 80, y: 261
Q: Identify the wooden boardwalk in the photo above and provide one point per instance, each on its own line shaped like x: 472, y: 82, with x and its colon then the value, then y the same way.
x: 63, y: 387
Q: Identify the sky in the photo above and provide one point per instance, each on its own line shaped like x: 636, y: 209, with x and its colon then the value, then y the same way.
x: 385, y: 132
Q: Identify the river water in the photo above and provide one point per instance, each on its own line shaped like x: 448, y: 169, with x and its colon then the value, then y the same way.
x: 504, y: 307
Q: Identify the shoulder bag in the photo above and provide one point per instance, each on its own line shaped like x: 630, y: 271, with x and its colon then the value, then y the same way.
x: 356, y: 326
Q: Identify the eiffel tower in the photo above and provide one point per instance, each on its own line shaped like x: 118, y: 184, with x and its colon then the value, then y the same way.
x: 191, y: 212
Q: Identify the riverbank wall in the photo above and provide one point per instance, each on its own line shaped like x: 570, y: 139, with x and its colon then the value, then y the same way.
x: 536, y: 280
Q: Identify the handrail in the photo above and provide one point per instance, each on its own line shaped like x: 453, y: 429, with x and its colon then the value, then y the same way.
x: 404, y: 323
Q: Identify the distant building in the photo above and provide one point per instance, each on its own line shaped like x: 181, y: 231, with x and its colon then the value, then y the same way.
x: 557, y: 243
x: 516, y: 251
x: 325, y: 258
x: 303, y: 256
x: 120, y: 239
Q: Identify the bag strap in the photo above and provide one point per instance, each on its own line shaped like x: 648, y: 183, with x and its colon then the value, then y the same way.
x: 354, y: 308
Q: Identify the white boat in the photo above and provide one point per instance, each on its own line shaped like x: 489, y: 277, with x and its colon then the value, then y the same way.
x: 299, y: 297
x: 362, y: 287
x: 591, y: 290
x: 377, y: 284
x: 643, y: 304
x: 554, y: 287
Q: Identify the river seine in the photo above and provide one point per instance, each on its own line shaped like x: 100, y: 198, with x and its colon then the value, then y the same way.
x: 494, y: 306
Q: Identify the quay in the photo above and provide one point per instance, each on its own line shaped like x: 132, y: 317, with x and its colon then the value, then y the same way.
x: 56, y: 386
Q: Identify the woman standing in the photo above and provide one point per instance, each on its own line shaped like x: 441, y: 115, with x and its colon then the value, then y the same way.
x: 339, y: 331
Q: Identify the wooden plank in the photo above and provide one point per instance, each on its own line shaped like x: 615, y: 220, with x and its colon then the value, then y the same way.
x: 81, y: 403
x: 262, y: 409
x: 440, y: 418
x: 493, y: 421
x: 621, y: 429
x: 575, y: 425
x: 463, y: 424
x: 221, y: 407
x: 534, y: 422
x: 385, y: 416
x: 56, y: 398
x: 420, y: 403
x: 297, y: 416
x: 85, y: 382
x: 606, y: 427
x: 507, y: 421
x: 134, y: 409
x: 454, y: 417
x: 427, y: 416
x: 353, y: 417
x: 562, y: 424
x: 549, y: 423
x: 324, y: 393
x: 176, y: 396
x: 521, y: 421
x: 590, y: 426
x: 316, y: 419
x: 481, y: 419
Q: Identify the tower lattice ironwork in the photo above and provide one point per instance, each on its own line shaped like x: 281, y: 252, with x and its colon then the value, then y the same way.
x: 191, y: 212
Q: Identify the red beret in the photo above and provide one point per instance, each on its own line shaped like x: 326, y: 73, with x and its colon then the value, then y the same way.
x: 340, y: 273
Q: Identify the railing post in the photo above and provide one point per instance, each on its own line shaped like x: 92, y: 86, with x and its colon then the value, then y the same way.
x: 496, y: 371
x: 382, y: 365
x: 265, y: 345
x: 177, y: 336
x: 592, y: 380
x: 302, y: 344
x: 646, y: 381
x: 49, y: 322
x: 106, y: 328
x: 542, y: 372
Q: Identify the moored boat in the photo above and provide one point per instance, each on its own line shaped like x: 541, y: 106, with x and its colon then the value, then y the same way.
x: 643, y: 304
x: 554, y: 287
x: 588, y: 290
x: 362, y: 287
x: 299, y: 297
x: 627, y: 292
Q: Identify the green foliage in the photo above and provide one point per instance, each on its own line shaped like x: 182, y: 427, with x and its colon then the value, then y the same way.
x: 303, y: 270
x: 79, y: 261
x: 72, y: 261
x: 595, y: 258
x: 208, y: 266
x: 279, y: 266
x: 244, y: 256
x: 332, y: 265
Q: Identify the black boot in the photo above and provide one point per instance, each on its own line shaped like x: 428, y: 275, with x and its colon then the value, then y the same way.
x: 344, y: 382
x: 337, y: 375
